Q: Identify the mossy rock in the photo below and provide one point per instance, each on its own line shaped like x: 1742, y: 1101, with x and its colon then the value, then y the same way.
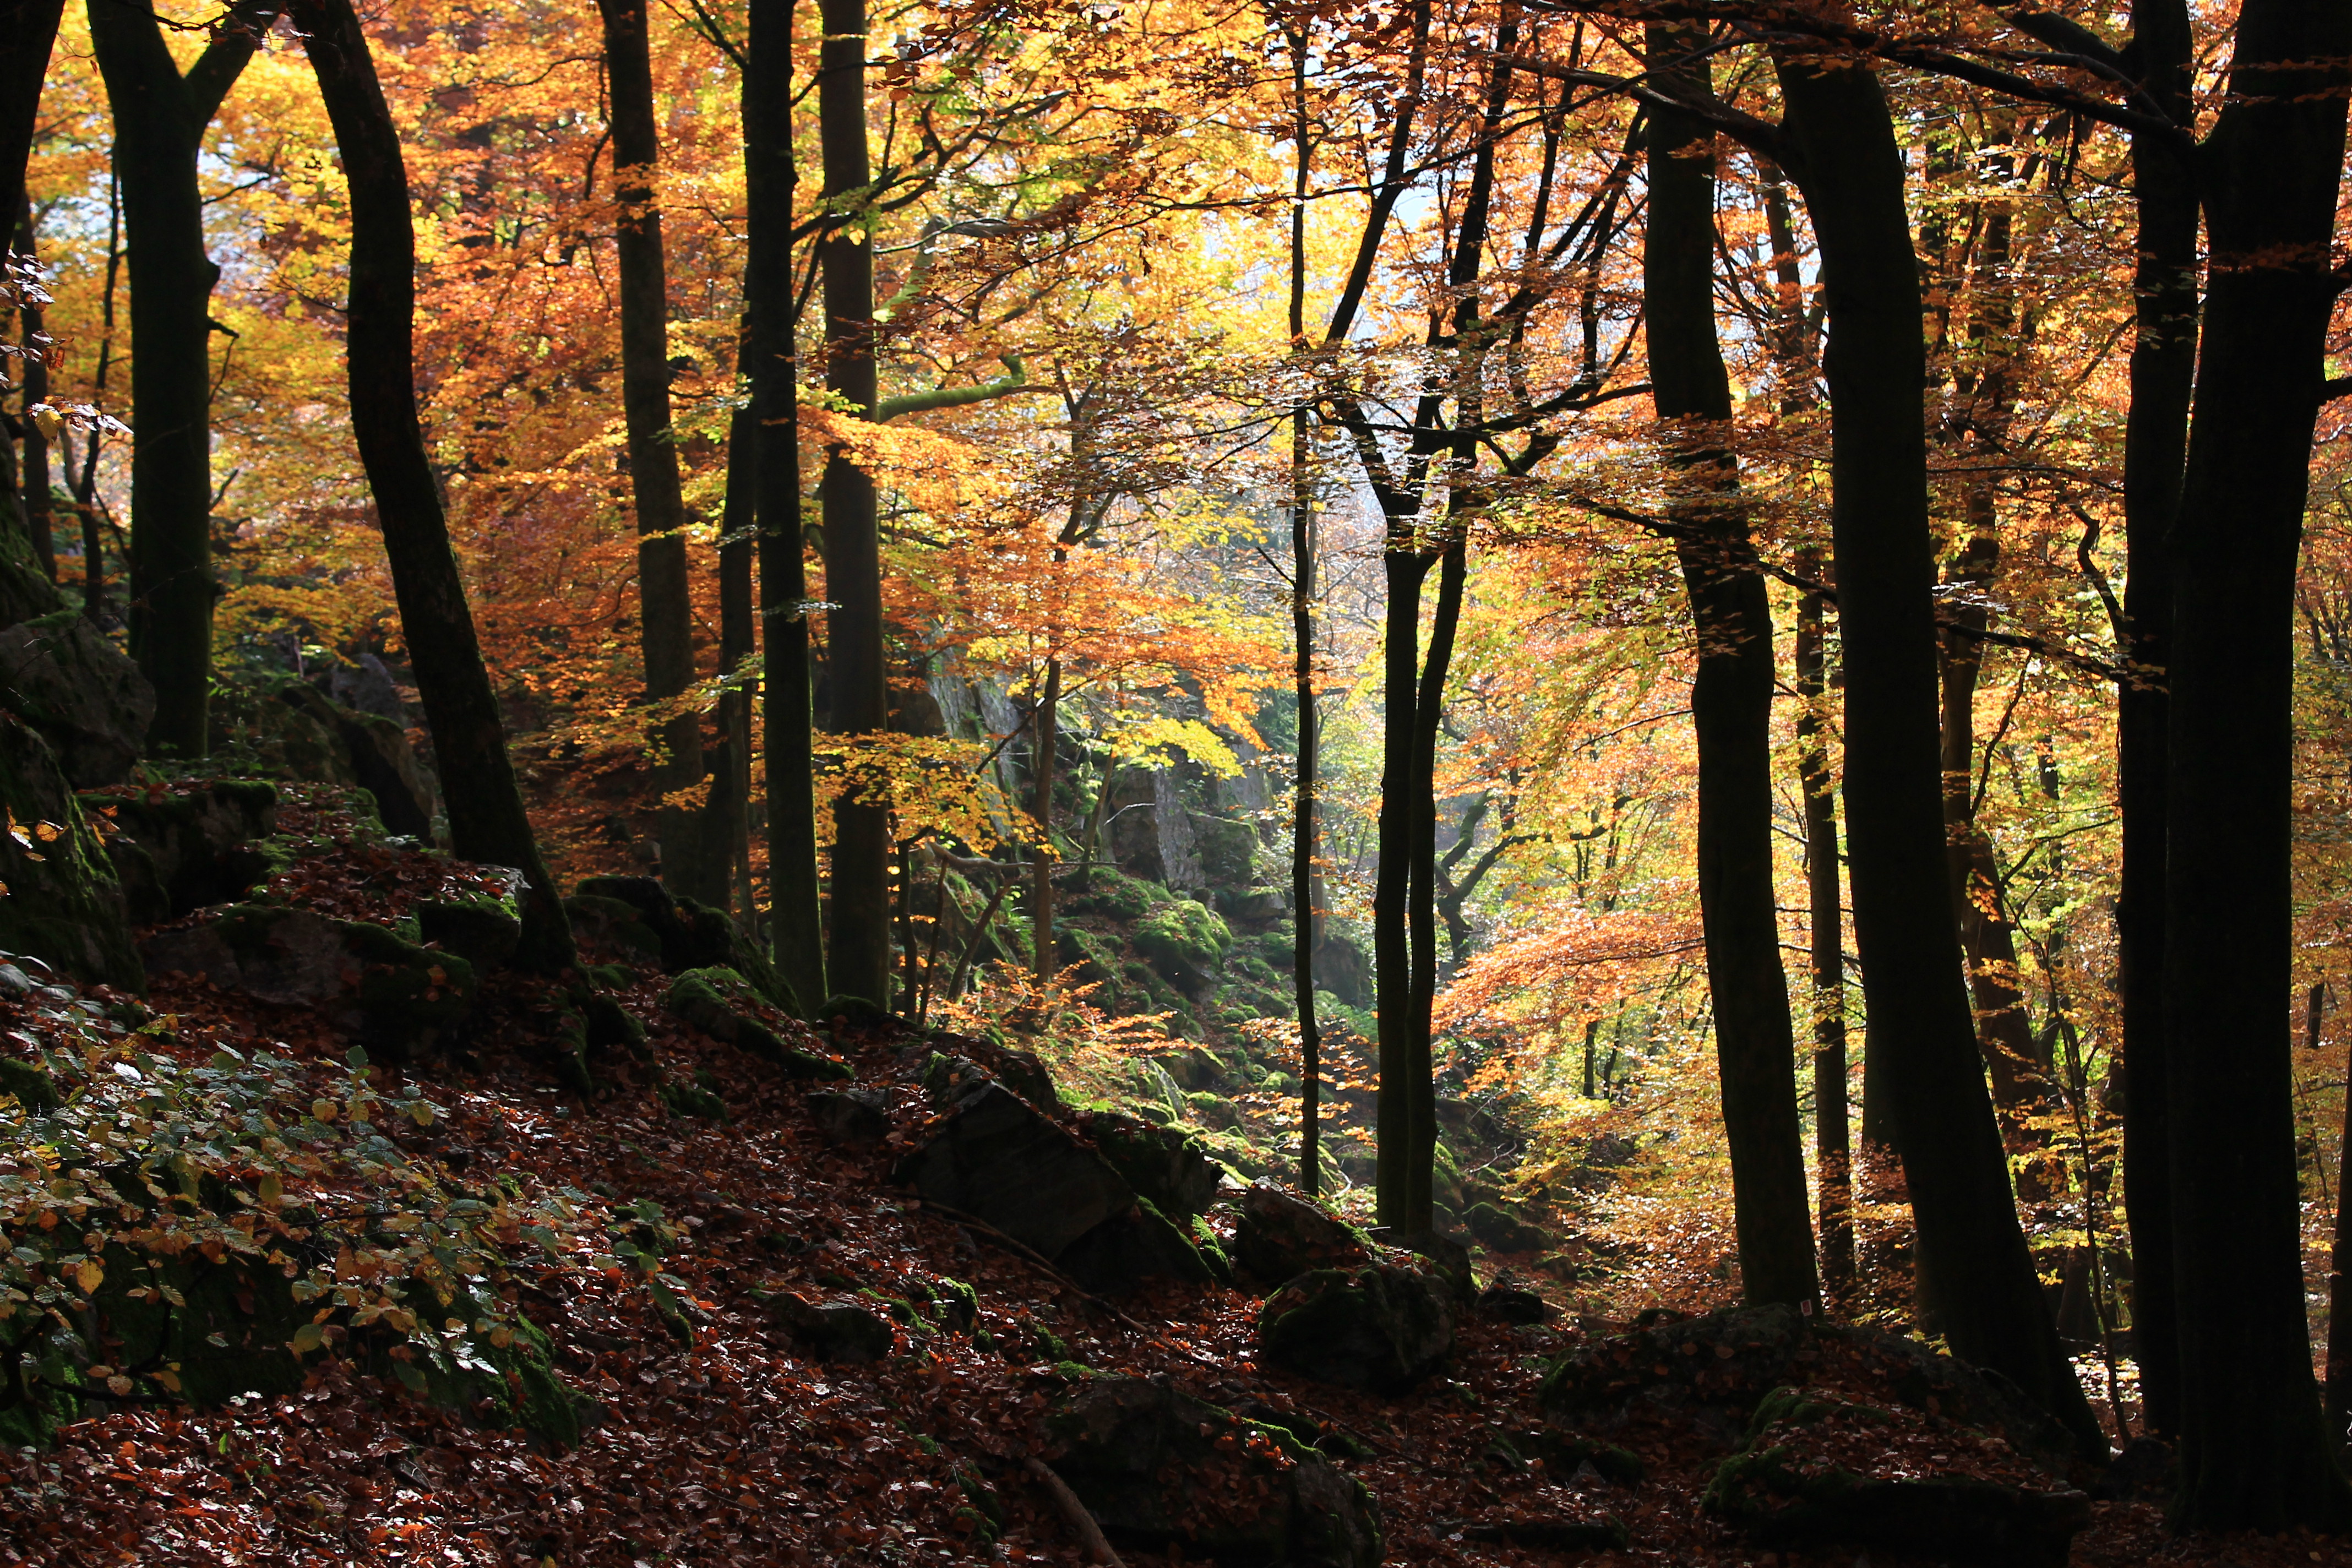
x: 608, y: 925
x: 1166, y: 1165
x: 1126, y: 1249
x: 64, y: 903
x: 1503, y: 1230
x: 1115, y: 895
x: 84, y: 695
x: 1380, y: 1329
x: 1095, y: 958
x: 682, y: 934
x: 1213, y: 1111
x: 1186, y: 941
x: 726, y: 1007
x: 483, y: 928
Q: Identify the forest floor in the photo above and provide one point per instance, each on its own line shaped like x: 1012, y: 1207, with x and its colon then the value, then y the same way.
x: 734, y: 1450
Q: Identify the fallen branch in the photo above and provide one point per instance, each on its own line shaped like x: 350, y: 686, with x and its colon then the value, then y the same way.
x: 1089, y: 1533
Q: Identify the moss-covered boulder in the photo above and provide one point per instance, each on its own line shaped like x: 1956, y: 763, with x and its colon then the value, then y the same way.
x: 180, y: 849
x: 996, y: 1158
x: 726, y: 1007
x: 64, y: 902
x: 62, y: 676
x: 852, y: 1118
x: 1115, y: 895
x: 1280, y: 1236
x: 1167, y: 1165
x: 1504, y: 1231
x: 1382, y: 1329
x: 1818, y: 1470
x: 843, y: 1330
x: 1186, y: 941
x: 679, y: 934
x: 1158, y: 1469
x: 378, y: 756
x: 484, y: 927
x: 396, y: 997
x: 1126, y: 1249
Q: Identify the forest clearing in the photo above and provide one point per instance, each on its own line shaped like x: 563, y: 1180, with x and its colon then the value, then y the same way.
x: 1467, y: 782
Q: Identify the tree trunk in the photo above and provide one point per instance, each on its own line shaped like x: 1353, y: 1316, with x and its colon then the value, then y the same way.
x: 28, y: 31
x: 1845, y: 160
x: 461, y: 711
x: 2156, y: 441
x: 1041, y: 892
x: 34, y: 475
x: 1429, y: 707
x: 859, y: 905
x: 1404, y: 570
x: 1832, y: 1138
x: 727, y: 826
x: 796, y: 927
x: 2254, y: 1450
x: 1303, y: 924
x: 1731, y: 699
x: 160, y: 118
x: 665, y: 610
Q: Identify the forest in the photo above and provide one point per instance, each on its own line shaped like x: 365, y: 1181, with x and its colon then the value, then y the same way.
x: 1473, y: 782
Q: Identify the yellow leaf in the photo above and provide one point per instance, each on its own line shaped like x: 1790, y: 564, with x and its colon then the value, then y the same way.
x: 308, y: 1337
x: 324, y: 1109
x: 273, y: 1191
x: 119, y: 1383
x: 89, y: 1274
x: 169, y: 1379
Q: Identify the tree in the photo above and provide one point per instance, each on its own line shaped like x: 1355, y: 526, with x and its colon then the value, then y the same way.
x: 1731, y: 695
x: 487, y: 821
x: 665, y: 608
x: 2254, y: 1452
x: 160, y: 117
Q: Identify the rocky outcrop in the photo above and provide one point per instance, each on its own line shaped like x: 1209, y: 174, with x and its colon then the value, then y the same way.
x: 1280, y: 1236
x: 1141, y: 1244
x: 636, y: 918
x: 1158, y: 1469
x: 835, y: 1331
x: 64, y: 902
x: 997, y: 1159
x: 381, y: 761
x: 179, y: 850
x: 723, y: 1004
x: 79, y: 692
x: 1166, y: 1164
x: 394, y: 996
x: 1382, y: 1329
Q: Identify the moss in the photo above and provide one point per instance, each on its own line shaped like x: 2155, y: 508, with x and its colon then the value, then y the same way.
x: 28, y: 1085
x: 1115, y: 895
x: 1184, y: 940
x: 64, y: 903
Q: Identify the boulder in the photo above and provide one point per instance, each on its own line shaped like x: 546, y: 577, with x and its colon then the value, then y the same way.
x: 856, y: 1118
x: 484, y: 928
x: 836, y: 1331
x: 1509, y: 1303
x: 1382, y: 1329
x: 1166, y: 1164
x: 724, y: 1005
x: 1186, y: 941
x: 1503, y: 1230
x: 1128, y: 1248
x: 183, y: 849
x: 1817, y: 1471
x: 1280, y: 1236
x: 995, y: 1157
x: 677, y: 934
x: 64, y: 902
x: 379, y: 758
x: 1450, y: 1256
x: 1158, y: 1469
x: 64, y: 678
x: 394, y: 996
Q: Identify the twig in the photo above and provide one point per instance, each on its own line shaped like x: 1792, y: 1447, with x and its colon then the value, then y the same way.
x: 1089, y: 1533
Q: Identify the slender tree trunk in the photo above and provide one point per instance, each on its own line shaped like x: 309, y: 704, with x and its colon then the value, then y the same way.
x: 664, y: 607
x: 160, y: 118
x: 1429, y: 707
x: 1845, y: 160
x: 487, y: 821
x: 729, y: 826
x: 34, y: 474
x: 28, y: 29
x: 2255, y: 1453
x: 1833, y: 1138
x: 1041, y: 892
x: 1303, y: 924
x: 1404, y: 570
x: 859, y: 904
x: 796, y: 928
x: 2155, y: 450
x: 1731, y: 701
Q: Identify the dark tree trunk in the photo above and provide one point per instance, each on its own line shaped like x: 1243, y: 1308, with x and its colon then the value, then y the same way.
x: 1731, y: 701
x: 158, y: 128
x: 1405, y: 569
x: 1832, y: 1136
x: 2254, y: 1452
x: 1042, y: 963
x: 2155, y: 443
x: 1303, y: 922
x: 1429, y: 707
x: 727, y: 826
x: 665, y: 609
x: 1845, y: 158
x: 28, y: 31
x: 796, y: 926
x: 487, y: 821
x: 860, y: 903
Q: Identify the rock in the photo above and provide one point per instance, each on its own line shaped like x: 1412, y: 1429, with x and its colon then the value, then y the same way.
x: 677, y: 934
x: 1256, y: 906
x: 1141, y: 1244
x: 837, y: 1331
x: 485, y: 928
x: 998, y: 1160
x: 857, y: 1118
x: 378, y: 757
x: 1194, y: 1069
x: 1342, y: 969
x: 1027, y: 1077
x: 1213, y: 1111
x: 366, y: 688
x: 1449, y: 1256
x: 1158, y: 1469
x: 1514, y: 1304
x: 1789, y: 1484
x: 1280, y: 1236
x: 1165, y: 1164
x: 1732, y: 1359
x: 1503, y: 1230
x: 396, y: 997
x: 724, y: 1005
x: 1382, y: 1329
x: 948, y: 1078
x: 189, y: 848
x: 1186, y: 941
x: 612, y: 927
x: 81, y: 694
x: 64, y: 901
x: 855, y: 1012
